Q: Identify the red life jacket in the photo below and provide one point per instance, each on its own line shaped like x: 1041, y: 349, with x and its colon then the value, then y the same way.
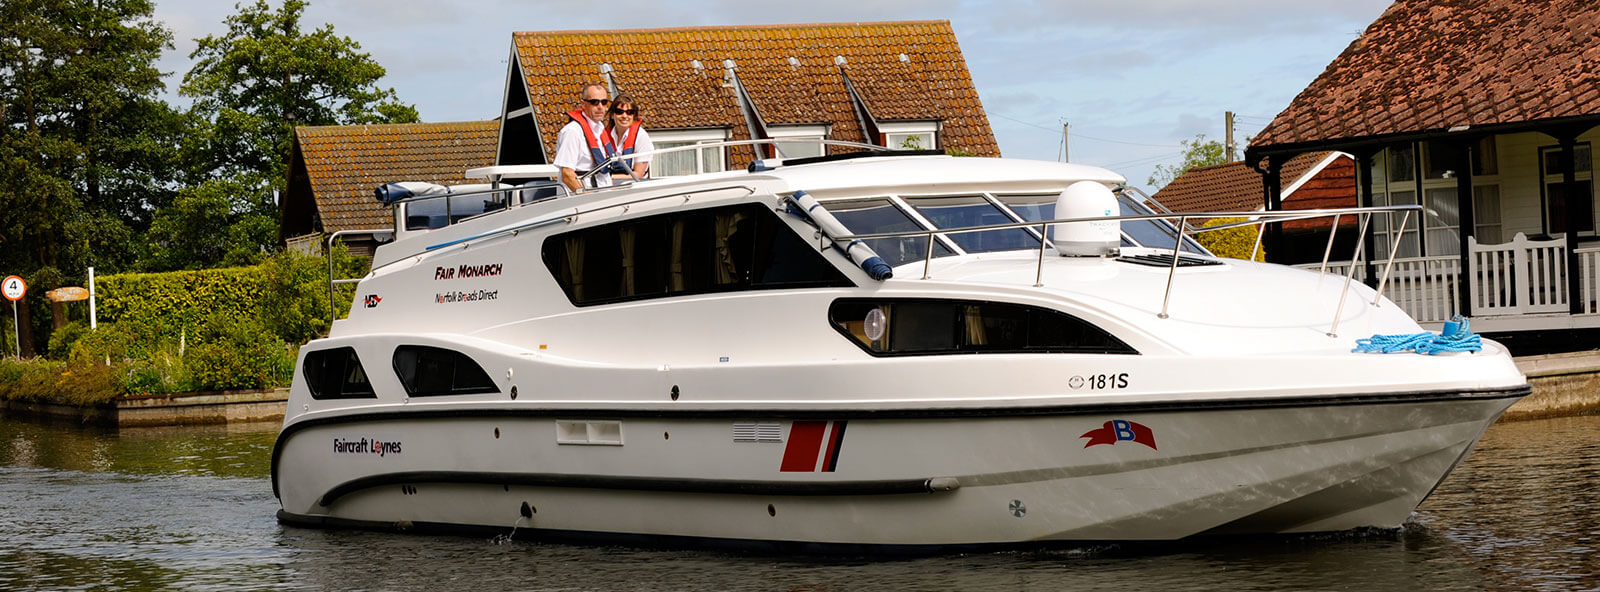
x: 599, y: 148
x: 626, y: 166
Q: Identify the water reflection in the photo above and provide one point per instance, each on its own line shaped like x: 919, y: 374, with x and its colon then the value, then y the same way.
x: 192, y: 509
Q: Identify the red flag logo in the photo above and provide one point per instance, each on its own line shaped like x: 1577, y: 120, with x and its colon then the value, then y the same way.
x: 1121, y: 430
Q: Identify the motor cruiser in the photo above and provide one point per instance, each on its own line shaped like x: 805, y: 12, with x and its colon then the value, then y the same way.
x: 863, y: 350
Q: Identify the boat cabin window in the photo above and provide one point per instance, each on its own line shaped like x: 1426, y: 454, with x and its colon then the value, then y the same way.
x: 433, y: 371
x: 424, y: 214
x: 872, y: 216
x: 336, y: 374
x: 931, y: 326
x: 974, y: 210
x: 725, y: 249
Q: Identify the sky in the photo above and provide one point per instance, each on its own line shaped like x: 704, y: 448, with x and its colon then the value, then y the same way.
x: 1132, y: 78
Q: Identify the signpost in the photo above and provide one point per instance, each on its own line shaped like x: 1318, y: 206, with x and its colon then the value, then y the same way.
x: 14, y: 288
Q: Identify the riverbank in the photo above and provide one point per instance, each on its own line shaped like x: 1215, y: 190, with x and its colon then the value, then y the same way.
x: 1563, y: 385
x: 205, y: 408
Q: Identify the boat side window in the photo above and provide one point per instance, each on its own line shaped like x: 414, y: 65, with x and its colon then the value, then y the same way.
x: 336, y: 374
x: 427, y: 371
x: 931, y: 326
x: 876, y: 215
x: 742, y: 247
x: 920, y: 327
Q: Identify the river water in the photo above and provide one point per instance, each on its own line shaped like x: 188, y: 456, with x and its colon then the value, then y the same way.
x: 192, y: 509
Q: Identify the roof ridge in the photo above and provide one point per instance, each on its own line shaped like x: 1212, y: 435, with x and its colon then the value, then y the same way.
x: 353, y: 126
x: 727, y: 27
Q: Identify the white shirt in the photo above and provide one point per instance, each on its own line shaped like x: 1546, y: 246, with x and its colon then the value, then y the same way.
x: 572, y: 150
x: 643, y: 144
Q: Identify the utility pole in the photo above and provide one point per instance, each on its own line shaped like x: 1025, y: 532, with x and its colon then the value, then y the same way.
x: 1228, y: 148
x: 1064, y: 153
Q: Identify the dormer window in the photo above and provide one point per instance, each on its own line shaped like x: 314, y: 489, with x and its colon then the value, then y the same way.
x: 910, y: 135
x: 800, y: 149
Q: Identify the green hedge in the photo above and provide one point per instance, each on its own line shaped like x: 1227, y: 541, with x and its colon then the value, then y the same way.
x: 177, y: 302
x: 1233, y: 243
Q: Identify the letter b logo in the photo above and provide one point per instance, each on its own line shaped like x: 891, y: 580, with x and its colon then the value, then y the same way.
x: 1123, y: 429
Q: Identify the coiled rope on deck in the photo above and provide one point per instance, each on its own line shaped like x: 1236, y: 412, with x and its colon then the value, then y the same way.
x: 1456, y: 337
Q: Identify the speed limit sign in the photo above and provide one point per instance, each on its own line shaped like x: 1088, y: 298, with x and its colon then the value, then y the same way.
x: 14, y: 288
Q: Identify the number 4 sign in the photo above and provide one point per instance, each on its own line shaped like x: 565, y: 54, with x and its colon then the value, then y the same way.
x: 14, y: 288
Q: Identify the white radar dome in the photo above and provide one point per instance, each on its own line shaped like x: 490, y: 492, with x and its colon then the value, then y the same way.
x: 1093, y: 238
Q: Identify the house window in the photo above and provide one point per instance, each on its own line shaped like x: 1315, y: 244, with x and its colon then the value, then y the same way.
x: 1394, y: 174
x: 687, y: 162
x: 800, y: 132
x: 1581, y: 205
x: 910, y: 135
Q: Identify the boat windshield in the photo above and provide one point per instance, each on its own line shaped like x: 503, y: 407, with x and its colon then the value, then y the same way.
x: 1135, y: 233
x: 894, y: 213
x: 974, y: 210
x: 875, y: 215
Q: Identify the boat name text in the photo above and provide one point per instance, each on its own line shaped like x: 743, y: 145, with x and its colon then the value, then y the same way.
x: 365, y: 446
x: 465, y: 271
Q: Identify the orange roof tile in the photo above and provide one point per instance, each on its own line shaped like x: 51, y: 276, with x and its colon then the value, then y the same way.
x: 654, y: 65
x: 346, y: 162
x: 1430, y: 65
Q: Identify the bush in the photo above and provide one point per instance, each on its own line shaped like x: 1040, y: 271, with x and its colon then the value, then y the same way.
x: 54, y: 381
x: 237, y: 352
x: 62, y: 340
x: 1233, y: 243
x: 295, y: 303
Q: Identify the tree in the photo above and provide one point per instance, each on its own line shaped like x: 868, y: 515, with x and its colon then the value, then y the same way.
x: 86, y: 148
x: 254, y: 84
x: 1197, y: 153
x: 238, y: 214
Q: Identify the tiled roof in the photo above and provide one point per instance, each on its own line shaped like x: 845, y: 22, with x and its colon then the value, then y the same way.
x: 346, y: 162
x: 1430, y: 65
x: 1235, y: 187
x: 655, y: 66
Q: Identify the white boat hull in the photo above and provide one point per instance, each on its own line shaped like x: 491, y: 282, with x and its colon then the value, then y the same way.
x: 951, y: 478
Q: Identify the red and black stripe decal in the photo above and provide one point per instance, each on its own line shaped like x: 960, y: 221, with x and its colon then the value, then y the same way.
x: 806, y: 446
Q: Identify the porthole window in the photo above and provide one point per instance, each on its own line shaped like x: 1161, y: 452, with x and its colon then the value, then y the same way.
x: 427, y: 371
x: 336, y: 374
x: 930, y: 326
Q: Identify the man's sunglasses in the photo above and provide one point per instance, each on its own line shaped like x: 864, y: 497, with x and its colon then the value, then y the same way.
x: 625, y: 111
x: 598, y: 101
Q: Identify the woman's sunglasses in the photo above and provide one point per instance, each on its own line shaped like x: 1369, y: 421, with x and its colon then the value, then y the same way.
x: 625, y: 111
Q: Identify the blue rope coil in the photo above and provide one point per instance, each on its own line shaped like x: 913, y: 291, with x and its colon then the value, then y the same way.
x: 1456, y: 337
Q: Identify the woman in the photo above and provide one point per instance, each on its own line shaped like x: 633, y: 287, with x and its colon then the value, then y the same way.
x: 623, y: 123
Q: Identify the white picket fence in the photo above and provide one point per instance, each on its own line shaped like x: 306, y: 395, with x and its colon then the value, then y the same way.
x: 1521, y: 277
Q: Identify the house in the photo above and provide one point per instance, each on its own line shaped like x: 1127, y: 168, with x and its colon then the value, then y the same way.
x: 334, y: 169
x: 1484, y: 114
x: 895, y: 84
x: 1315, y: 180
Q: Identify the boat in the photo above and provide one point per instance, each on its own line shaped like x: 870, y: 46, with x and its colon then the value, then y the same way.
x: 864, y: 351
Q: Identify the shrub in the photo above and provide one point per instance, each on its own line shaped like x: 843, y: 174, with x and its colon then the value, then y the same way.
x: 233, y: 351
x: 1233, y: 243
x: 62, y: 340
x: 295, y: 303
x: 60, y: 382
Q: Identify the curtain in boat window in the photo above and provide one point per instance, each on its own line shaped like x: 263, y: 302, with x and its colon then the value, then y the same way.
x: 575, y: 246
x: 727, y: 224
x: 628, y: 235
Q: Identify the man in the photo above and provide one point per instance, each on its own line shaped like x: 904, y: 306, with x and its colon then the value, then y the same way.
x: 583, y: 142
